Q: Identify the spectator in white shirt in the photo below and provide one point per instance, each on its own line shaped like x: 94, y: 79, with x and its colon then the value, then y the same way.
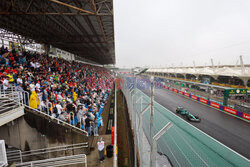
x: 6, y: 84
x: 37, y: 65
x: 19, y: 80
x: 59, y: 108
x: 32, y: 86
x: 33, y: 65
x: 100, y: 146
x: 38, y: 85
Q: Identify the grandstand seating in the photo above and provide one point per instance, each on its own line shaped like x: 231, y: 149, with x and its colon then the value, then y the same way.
x: 71, y: 91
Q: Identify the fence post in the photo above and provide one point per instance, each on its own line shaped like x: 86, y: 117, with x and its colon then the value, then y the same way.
x: 115, y: 128
x: 133, y: 124
x: 151, y: 121
x: 141, y: 128
x: 135, y: 119
x: 154, y: 144
x: 85, y: 161
x: 21, y: 157
x: 12, y: 90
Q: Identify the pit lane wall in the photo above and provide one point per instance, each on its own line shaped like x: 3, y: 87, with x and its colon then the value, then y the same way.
x: 228, y: 110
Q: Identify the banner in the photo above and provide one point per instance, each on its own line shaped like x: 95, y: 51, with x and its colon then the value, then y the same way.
x: 213, y: 104
x: 203, y: 100
x: 186, y: 94
x: 230, y: 110
x: 194, y: 97
x: 246, y: 116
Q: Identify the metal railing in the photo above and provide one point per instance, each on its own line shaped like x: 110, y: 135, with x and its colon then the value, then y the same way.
x: 183, y: 144
x: 18, y: 155
x: 22, y: 99
x: 60, y: 161
x: 9, y: 101
x: 3, y: 158
x: 56, y: 119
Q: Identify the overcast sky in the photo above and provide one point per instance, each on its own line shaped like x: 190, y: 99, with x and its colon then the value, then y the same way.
x: 163, y: 33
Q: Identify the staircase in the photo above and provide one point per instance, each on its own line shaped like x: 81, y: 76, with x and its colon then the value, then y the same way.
x: 9, y: 110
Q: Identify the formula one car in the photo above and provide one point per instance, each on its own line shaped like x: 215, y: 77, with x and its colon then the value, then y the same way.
x: 190, y: 117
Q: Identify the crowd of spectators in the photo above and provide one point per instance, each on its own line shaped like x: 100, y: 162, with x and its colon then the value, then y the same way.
x: 71, y: 91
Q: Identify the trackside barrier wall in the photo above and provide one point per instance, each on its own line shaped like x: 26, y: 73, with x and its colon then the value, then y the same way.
x: 226, y: 109
x: 183, y: 144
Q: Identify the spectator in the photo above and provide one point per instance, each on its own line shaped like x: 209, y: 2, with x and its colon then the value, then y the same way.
x: 57, y: 81
x: 87, y: 125
x: 19, y: 88
x: 19, y: 80
x: 59, y: 108
x: 6, y: 84
x: 34, y: 101
x: 101, y: 146
x: 95, y: 127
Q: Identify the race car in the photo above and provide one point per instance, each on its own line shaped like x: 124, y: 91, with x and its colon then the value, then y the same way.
x: 190, y: 117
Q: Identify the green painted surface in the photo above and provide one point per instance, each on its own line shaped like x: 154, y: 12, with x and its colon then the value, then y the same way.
x: 184, y: 144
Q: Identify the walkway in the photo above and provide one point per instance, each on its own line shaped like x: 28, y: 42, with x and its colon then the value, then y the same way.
x: 93, y: 157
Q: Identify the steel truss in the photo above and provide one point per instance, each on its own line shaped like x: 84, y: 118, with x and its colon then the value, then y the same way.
x: 77, y: 26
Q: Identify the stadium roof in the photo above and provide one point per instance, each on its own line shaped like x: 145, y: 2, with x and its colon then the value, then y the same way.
x: 235, y: 71
x: 82, y: 27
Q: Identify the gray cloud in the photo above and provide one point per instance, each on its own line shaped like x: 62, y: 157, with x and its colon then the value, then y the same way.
x: 166, y: 32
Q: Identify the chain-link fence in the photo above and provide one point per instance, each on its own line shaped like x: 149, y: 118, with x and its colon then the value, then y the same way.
x: 183, y: 144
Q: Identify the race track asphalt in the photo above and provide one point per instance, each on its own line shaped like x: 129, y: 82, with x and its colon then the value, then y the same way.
x: 229, y: 130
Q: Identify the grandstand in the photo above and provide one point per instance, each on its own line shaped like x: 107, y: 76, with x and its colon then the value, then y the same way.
x: 61, y: 96
x: 54, y: 89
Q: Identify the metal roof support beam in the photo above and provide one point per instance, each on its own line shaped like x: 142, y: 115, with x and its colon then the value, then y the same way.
x: 53, y: 22
x: 29, y: 5
x: 87, y: 20
x: 52, y: 13
x: 98, y: 20
x: 82, y: 29
x: 36, y: 22
x: 73, y: 7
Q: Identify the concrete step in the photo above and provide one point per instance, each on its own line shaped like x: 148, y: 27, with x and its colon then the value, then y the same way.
x: 7, y: 115
x: 7, y: 104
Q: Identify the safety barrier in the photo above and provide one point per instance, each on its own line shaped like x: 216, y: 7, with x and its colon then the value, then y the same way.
x: 220, y: 107
x: 60, y: 161
x: 18, y: 155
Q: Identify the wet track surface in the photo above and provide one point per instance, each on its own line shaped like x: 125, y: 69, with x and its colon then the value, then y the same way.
x: 231, y: 131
